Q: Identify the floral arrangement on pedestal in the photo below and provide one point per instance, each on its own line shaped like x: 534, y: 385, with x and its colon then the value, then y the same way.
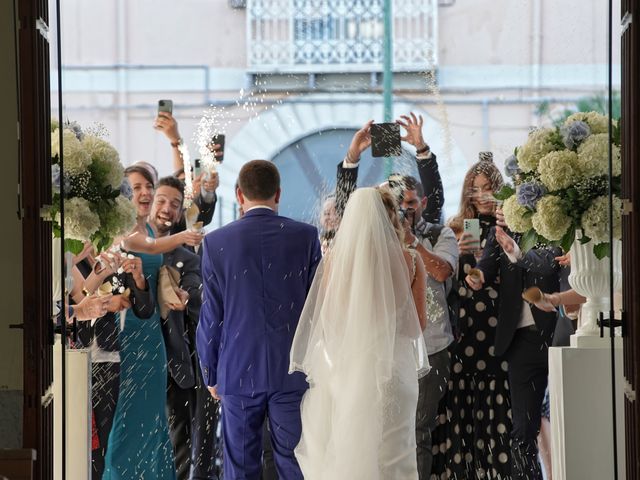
x: 96, y: 205
x: 561, y: 185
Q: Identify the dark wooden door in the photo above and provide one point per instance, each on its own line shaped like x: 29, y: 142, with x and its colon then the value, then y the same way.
x: 631, y: 228
x: 35, y: 191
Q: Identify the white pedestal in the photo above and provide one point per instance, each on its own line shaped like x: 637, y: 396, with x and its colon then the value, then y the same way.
x: 581, y: 410
x: 78, y: 413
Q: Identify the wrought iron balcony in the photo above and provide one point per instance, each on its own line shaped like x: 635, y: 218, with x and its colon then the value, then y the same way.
x: 323, y: 36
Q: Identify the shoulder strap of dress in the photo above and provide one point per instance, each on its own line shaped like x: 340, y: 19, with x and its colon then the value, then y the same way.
x: 413, y: 254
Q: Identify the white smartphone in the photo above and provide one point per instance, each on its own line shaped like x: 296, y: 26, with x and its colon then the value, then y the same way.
x: 472, y: 228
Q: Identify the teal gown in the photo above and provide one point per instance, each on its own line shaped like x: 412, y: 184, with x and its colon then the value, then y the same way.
x: 139, y: 445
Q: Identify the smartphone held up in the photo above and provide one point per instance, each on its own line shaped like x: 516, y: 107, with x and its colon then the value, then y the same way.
x: 165, y: 106
x: 385, y: 140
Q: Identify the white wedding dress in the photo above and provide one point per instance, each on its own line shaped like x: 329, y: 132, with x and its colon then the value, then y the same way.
x: 360, y: 344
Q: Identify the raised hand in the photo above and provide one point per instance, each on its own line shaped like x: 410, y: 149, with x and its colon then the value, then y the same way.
x: 118, y: 303
x: 500, y: 218
x: 134, y: 267
x: 167, y: 125
x: 507, y: 243
x: 564, y: 260
x: 360, y: 142
x: 211, y: 181
x: 92, y: 307
x: 193, y: 239
x: 413, y: 125
x: 467, y: 244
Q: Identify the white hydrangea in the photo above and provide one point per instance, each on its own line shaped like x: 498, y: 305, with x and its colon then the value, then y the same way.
x: 593, y: 155
x: 550, y: 219
x: 514, y: 215
x: 76, y: 158
x: 597, y: 122
x: 120, y: 219
x: 558, y: 169
x: 595, y: 220
x: 538, y: 145
x: 80, y: 222
x: 105, y: 159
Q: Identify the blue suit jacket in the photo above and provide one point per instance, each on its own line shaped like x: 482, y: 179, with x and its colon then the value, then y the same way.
x: 256, y: 274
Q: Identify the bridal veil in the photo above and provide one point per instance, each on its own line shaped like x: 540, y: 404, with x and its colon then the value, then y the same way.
x: 358, y: 320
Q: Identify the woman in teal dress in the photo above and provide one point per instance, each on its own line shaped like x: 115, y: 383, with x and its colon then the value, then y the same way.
x: 139, y: 445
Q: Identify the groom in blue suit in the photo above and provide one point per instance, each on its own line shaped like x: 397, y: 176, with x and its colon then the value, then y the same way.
x: 256, y: 274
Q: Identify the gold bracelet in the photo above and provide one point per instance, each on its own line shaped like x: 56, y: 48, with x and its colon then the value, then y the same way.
x: 86, y: 292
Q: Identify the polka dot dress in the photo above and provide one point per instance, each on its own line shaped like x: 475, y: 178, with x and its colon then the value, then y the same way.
x: 472, y: 440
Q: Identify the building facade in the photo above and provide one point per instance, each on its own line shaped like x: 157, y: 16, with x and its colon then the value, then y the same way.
x: 291, y: 80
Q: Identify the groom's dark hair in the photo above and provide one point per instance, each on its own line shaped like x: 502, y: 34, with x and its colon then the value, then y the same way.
x: 259, y: 180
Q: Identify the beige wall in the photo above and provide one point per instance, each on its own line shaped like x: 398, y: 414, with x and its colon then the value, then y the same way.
x: 166, y: 32
x: 10, y: 244
x: 477, y: 32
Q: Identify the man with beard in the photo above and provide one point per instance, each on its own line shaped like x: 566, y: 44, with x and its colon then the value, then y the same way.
x: 190, y: 408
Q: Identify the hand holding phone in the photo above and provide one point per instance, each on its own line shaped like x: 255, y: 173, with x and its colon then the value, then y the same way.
x: 472, y: 233
x: 385, y: 140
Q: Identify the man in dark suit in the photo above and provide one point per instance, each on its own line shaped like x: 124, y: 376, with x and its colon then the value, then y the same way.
x: 190, y: 408
x: 523, y: 335
x: 256, y: 274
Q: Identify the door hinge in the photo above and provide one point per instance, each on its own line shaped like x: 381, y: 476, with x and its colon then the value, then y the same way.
x: 45, y: 213
x: 629, y: 392
x: 626, y: 21
x: 47, y: 398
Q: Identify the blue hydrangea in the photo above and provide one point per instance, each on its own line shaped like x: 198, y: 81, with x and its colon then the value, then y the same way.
x: 574, y: 134
x: 529, y: 193
x: 511, y: 167
x: 125, y: 189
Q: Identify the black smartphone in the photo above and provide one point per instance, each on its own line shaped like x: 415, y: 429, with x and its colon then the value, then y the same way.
x: 198, y: 167
x: 385, y: 140
x: 165, y: 106
x: 218, y: 139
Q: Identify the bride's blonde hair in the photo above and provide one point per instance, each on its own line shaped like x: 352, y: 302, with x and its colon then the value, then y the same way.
x: 391, y: 206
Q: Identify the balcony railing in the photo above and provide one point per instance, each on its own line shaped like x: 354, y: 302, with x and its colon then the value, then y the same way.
x: 320, y: 36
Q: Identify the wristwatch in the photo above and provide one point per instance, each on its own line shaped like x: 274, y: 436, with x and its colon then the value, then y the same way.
x: 424, y: 149
x: 415, y: 243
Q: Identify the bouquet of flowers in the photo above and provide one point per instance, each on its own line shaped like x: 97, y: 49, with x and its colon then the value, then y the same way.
x: 561, y: 185
x: 94, y: 208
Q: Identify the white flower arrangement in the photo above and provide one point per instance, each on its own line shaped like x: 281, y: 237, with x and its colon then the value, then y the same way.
x: 516, y: 215
x: 595, y: 220
x: 539, y: 144
x: 562, y: 184
x: 558, y: 169
x: 89, y: 187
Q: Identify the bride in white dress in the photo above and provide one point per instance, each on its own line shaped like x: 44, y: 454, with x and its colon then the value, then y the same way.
x: 360, y: 343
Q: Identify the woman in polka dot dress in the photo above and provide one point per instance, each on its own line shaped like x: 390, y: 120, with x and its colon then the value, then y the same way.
x: 473, y: 437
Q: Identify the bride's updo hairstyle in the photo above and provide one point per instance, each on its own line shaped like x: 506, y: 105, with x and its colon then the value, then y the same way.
x: 391, y: 206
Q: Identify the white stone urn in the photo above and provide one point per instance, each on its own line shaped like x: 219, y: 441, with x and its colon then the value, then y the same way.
x: 590, y: 278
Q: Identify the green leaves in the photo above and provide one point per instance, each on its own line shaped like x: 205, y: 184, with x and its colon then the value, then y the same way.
x: 505, y: 192
x: 568, y: 238
x: 528, y: 240
x: 602, y: 250
x: 73, y: 246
